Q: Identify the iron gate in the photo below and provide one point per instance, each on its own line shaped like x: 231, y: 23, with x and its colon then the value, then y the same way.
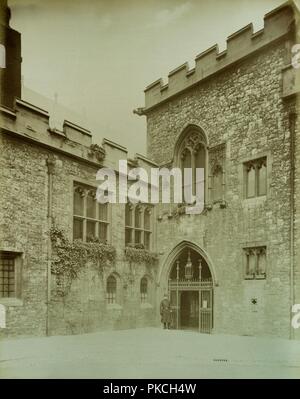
x: 205, y: 303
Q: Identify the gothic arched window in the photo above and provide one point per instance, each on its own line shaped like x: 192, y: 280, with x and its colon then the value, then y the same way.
x: 147, y: 228
x: 256, y: 177
x: 78, y: 213
x: 144, y: 289
x: 192, y: 155
x: 262, y: 178
x: 128, y: 223
x: 111, y: 289
x: 256, y: 262
x: 78, y: 201
x: 90, y: 219
x: 91, y: 215
x: 138, y: 225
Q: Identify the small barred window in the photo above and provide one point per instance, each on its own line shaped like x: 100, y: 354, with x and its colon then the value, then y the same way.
x: 8, y: 275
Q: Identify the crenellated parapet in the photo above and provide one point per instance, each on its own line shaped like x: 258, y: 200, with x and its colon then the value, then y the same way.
x: 30, y: 124
x: 116, y: 152
x: 278, y: 24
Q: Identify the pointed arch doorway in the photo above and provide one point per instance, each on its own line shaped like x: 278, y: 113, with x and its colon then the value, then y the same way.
x: 190, y: 286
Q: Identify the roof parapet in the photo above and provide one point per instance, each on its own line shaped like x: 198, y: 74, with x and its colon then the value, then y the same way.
x: 68, y: 124
x: 107, y: 142
x: 146, y: 160
x: 240, y: 44
x: 31, y: 107
x: 77, y: 133
x: 8, y: 111
x: 29, y: 122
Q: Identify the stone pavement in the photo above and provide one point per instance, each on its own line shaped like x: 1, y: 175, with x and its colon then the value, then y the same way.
x: 149, y: 353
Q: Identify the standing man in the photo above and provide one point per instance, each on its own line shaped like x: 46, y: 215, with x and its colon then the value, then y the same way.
x: 165, y: 312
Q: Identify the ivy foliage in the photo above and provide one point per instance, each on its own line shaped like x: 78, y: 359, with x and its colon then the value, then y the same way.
x: 71, y: 256
x: 136, y: 253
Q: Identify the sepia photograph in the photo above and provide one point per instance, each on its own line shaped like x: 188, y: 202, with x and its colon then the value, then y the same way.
x: 150, y: 192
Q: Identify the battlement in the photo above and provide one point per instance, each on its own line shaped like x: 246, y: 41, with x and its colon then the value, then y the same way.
x: 30, y: 123
x: 277, y: 25
x: 116, y: 152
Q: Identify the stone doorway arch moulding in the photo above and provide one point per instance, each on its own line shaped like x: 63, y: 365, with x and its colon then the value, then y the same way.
x: 170, y: 258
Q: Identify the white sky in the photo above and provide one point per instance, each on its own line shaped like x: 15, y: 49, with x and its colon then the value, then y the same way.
x: 99, y: 55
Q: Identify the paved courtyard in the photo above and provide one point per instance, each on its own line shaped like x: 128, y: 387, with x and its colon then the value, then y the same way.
x: 149, y: 353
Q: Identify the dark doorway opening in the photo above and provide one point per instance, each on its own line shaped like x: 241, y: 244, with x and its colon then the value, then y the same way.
x: 191, y: 292
x: 189, y: 310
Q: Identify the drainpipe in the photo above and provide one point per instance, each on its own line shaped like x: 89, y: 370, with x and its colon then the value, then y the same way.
x: 50, y: 171
x: 292, y: 124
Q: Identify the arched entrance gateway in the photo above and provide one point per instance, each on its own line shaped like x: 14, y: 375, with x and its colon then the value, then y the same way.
x: 190, y: 288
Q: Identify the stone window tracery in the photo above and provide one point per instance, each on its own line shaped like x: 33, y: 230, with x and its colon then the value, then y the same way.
x: 255, y: 262
x: 255, y: 177
x: 138, y: 225
x: 90, y: 218
x: 192, y: 155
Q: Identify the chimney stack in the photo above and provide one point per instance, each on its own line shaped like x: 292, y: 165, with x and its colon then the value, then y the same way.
x: 10, y: 59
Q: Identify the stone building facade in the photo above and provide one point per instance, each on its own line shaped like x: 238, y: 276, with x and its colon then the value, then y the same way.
x: 71, y: 265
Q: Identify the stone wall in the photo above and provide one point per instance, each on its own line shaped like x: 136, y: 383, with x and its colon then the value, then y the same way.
x: 243, y: 108
x: 296, y: 216
x: 23, y: 228
x: 26, y: 203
